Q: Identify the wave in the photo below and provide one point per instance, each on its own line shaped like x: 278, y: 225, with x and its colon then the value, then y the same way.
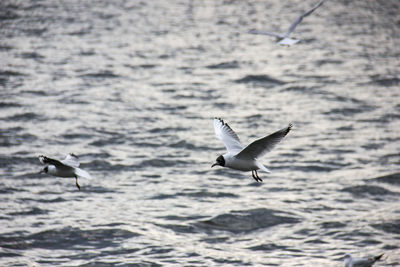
x: 365, y: 190
x: 265, y: 79
x: 67, y: 238
x: 224, y: 65
x: 389, y: 179
x: 248, y: 220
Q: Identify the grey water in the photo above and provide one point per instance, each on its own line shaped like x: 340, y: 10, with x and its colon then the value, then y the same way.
x: 132, y: 87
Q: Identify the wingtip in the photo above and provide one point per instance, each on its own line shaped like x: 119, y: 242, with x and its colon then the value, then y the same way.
x: 73, y: 155
x: 378, y: 257
x: 220, y: 120
x: 319, y: 4
x: 41, y: 159
x: 289, y: 128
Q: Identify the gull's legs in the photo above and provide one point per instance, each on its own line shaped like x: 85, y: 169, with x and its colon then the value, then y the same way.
x: 76, y: 182
x: 255, y: 178
x: 258, y: 178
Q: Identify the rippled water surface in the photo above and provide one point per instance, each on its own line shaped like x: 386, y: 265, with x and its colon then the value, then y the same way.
x: 132, y: 87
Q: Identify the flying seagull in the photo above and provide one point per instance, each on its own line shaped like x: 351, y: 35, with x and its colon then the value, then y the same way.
x: 283, y: 38
x: 245, y: 159
x: 360, y: 262
x: 69, y: 167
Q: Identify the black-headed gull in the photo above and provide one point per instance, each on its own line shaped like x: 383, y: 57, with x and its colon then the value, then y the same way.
x: 360, y: 262
x: 245, y: 159
x: 69, y: 167
x: 283, y: 38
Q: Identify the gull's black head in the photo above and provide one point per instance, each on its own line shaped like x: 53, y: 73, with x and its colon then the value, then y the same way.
x: 219, y: 161
x: 45, y: 170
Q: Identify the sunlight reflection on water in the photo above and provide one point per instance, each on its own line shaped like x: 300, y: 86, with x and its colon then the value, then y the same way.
x: 132, y: 87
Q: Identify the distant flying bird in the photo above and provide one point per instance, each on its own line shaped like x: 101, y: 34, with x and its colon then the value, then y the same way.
x: 245, y: 159
x: 360, y: 262
x: 64, y: 168
x: 283, y: 38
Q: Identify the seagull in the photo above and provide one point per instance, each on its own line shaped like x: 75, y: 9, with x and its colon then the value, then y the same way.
x: 283, y: 38
x: 360, y: 262
x: 245, y: 159
x: 69, y: 167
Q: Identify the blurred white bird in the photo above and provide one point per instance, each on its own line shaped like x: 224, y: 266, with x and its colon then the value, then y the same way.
x: 360, y: 262
x: 64, y: 168
x: 283, y: 38
x: 245, y: 159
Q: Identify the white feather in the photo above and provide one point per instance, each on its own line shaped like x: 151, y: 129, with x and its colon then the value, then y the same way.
x: 82, y: 174
x: 71, y: 160
x: 227, y: 136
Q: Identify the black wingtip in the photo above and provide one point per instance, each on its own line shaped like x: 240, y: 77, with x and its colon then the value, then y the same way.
x: 290, y: 126
x: 73, y: 155
x: 221, y: 120
x: 378, y: 257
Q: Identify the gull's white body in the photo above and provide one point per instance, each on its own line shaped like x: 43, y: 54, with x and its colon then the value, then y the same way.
x: 245, y: 158
x: 68, y: 173
x: 288, y: 41
x: 67, y: 168
x: 360, y: 262
x: 283, y: 38
x: 231, y: 161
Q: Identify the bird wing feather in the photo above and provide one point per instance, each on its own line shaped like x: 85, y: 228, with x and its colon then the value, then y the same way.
x: 277, y: 35
x: 260, y: 147
x: 300, y: 18
x: 71, y: 160
x: 49, y: 161
x: 225, y: 133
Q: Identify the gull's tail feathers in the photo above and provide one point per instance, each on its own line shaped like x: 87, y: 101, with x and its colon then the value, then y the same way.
x: 82, y: 174
x: 262, y: 167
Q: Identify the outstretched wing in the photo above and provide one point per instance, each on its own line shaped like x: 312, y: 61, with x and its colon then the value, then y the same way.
x: 277, y: 35
x: 300, y: 18
x: 71, y: 160
x: 227, y: 136
x: 49, y: 161
x: 260, y: 147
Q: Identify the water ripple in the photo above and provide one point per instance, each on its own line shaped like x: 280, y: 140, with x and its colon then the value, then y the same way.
x: 249, y: 220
